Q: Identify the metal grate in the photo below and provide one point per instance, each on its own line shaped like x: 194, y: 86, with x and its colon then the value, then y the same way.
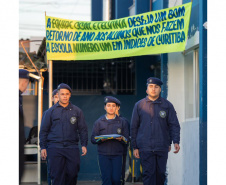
x: 114, y: 76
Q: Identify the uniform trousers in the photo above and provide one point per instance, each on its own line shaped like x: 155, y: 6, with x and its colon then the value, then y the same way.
x: 64, y: 165
x: 48, y: 172
x: 123, y: 168
x: 111, y: 169
x: 154, y: 167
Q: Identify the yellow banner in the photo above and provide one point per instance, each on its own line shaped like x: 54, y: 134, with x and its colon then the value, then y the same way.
x: 155, y: 32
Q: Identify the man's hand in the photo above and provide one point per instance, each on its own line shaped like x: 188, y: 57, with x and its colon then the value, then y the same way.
x: 169, y: 148
x: 84, y: 151
x: 177, y: 148
x: 136, y: 153
x: 43, y: 154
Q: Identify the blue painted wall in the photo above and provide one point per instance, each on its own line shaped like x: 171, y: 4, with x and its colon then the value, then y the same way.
x: 194, y: 22
x: 164, y: 75
x: 142, y: 6
x: 97, y: 10
x: 203, y: 92
x: 122, y: 8
x: 158, y: 5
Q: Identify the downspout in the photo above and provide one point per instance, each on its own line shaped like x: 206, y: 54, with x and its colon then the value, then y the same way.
x: 164, y: 65
x: 40, y: 110
x: 50, y: 68
x: 40, y: 107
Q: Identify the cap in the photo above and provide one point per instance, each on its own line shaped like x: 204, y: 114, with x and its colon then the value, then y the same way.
x: 54, y: 92
x: 111, y: 99
x: 23, y: 73
x: 153, y: 80
x: 64, y: 86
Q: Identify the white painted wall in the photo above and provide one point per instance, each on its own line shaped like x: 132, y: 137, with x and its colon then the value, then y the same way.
x: 190, y: 142
x: 183, y: 167
x: 176, y: 97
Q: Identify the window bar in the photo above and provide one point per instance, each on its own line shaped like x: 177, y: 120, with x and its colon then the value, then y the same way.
x: 92, y: 76
x: 76, y: 69
x: 67, y: 64
x: 121, y: 76
x: 116, y: 73
x: 72, y: 77
x: 57, y: 73
x: 62, y: 71
x: 82, y: 77
x: 111, y: 74
x: 126, y: 64
x: 107, y: 73
x: 96, y: 77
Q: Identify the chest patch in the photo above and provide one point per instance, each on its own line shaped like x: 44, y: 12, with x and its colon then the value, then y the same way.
x: 73, y: 120
x: 162, y: 114
x: 119, y: 130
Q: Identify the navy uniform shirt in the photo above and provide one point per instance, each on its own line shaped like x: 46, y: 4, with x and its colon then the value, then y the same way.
x: 154, y: 132
x: 62, y: 126
x: 111, y: 126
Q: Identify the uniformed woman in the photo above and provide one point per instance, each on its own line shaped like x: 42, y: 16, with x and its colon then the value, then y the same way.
x: 110, y: 151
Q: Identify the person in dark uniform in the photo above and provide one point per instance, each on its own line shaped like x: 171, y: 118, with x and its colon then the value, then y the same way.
x: 62, y: 126
x: 125, y: 146
x: 55, y: 99
x: 110, y: 151
x: 154, y: 125
x: 23, y: 83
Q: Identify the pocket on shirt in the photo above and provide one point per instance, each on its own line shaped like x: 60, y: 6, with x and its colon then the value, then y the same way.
x: 55, y: 123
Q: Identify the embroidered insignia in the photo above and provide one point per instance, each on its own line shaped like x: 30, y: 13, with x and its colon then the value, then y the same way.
x: 119, y: 130
x: 150, y: 80
x: 73, y: 120
x: 106, y: 99
x: 162, y: 114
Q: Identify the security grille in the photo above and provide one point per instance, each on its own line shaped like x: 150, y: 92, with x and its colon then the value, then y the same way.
x: 115, y: 76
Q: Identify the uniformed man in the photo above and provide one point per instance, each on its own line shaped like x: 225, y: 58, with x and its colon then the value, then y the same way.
x: 154, y: 124
x: 55, y: 99
x: 62, y: 126
x: 125, y: 146
x: 110, y: 151
x: 23, y: 83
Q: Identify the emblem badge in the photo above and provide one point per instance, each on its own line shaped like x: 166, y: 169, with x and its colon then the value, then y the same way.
x: 73, y: 120
x: 150, y: 80
x: 119, y: 131
x: 106, y: 99
x: 162, y: 114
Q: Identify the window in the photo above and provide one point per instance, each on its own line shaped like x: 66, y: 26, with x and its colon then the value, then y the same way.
x: 191, y: 72
x: 96, y: 77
